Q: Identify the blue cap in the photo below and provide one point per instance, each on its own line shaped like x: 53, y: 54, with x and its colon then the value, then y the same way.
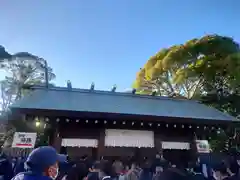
x: 43, y: 157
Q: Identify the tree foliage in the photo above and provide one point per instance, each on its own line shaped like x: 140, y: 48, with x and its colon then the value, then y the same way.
x: 225, y: 102
x: 206, y: 69
x: 21, y: 69
x: 189, y: 69
x: 219, y: 146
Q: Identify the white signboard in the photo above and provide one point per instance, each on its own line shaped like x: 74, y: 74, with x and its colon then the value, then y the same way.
x: 24, y: 140
x: 128, y: 138
x: 175, y: 145
x: 203, y: 146
x: 71, y: 142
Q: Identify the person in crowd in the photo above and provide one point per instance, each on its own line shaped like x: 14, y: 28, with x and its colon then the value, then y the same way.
x: 45, y: 163
x: 118, y: 170
x: 234, y: 170
x: 93, y: 174
x: 87, y: 160
x: 158, y: 172
x: 42, y: 164
x: 84, y: 164
x: 73, y: 173
x: 238, y: 165
x: 134, y: 172
x: 106, y: 170
x: 19, y: 167
x: 197, y: 173
x: 118, y: 167
x: 174, y: 172
x: 129, y: 161
x: 220, y: 172
x: 146, y: 173
x: 64, y: 168
x: 14, y: 162
x: 78, y: 171
x: 6, y: 169
x: 126, y: 168
x: 158, y: 161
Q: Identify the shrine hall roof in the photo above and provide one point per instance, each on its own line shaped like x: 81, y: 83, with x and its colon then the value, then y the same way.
x: 81, y: 100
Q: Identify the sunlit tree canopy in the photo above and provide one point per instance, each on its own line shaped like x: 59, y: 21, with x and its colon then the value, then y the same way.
x: 185, y: 69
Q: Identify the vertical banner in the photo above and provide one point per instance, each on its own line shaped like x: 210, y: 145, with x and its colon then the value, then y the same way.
x: 24, y: 140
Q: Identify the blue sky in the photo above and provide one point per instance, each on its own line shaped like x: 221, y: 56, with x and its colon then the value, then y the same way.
x: 108, y: 41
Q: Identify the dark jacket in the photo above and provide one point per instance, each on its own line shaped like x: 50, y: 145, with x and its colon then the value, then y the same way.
x: 158, y: 162
x: 198, y: 177
x: 146, y: 174
x: 19, y: 167
x: 234, y: 177
x: 92, y: 176
x: 6, y: 169
x: 174, y: 174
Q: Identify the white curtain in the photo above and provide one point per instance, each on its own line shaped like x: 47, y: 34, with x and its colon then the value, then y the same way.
x: 69, y: 142
x: 129, y: 138
x: 175, y: 145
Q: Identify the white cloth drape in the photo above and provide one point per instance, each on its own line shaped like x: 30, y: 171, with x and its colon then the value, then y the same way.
x: 175, y: 145
x: 71, y: 142
x: 129, y: 138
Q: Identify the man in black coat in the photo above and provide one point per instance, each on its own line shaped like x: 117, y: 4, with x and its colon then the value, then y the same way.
x: 6, y: 170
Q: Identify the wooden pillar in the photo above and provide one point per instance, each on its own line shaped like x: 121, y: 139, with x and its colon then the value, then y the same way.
x: 101, y: 143
x: 55, y: 138
x: 193, y: 146
x: 158, y: 142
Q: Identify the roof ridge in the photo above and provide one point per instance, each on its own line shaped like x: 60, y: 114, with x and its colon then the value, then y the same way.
x: 80, y: 90
x: 85, y: 100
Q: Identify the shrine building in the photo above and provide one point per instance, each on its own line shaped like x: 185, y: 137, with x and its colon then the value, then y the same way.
x: 117, y: 124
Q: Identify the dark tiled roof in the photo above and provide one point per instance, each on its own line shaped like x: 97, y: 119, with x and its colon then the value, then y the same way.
x: 114, y: 102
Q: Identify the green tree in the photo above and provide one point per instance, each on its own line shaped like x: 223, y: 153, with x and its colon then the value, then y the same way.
x: 21, y: 69
x: 3, y: 53
x: 228, y: 102
x: 199, y: 66
x: 219, y: 141
x: 206, y: 69
x: 164, y: 84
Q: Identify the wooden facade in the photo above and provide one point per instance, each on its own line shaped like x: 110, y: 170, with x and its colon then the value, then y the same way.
x: 62, y: 123
x: 85, y: 127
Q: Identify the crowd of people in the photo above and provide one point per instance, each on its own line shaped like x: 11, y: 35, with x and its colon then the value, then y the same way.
x: 44, y: 163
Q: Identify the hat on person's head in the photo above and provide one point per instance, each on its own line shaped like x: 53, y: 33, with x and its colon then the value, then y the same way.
x: 43, y: 157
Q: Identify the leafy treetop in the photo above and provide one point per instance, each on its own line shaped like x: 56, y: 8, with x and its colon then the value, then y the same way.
x: 210, y: 59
